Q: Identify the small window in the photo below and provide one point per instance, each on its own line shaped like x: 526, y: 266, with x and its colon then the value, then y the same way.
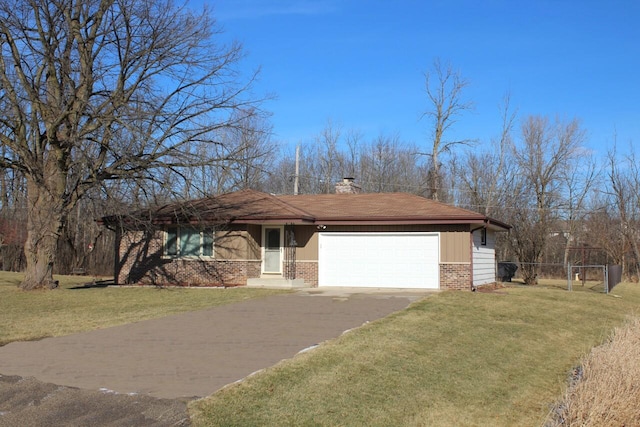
x: 171, y: 242
x: 483, y: 237
x: 188, y: 242
x: 207, y: 243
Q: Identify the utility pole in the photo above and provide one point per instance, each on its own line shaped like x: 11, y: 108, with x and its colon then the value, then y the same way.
x: 296, y: 181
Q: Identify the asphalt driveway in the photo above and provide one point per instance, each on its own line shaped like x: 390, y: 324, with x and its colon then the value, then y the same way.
x: 191, y: 355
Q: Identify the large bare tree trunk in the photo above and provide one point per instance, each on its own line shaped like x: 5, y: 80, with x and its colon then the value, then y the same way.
x: 44, y: 225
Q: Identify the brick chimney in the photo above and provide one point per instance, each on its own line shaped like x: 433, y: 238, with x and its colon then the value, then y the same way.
x: 347, y: 186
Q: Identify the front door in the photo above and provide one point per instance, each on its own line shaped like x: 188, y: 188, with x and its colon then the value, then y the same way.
x: 272, y: 256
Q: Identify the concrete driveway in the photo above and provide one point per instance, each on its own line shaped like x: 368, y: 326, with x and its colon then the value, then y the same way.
x: 194, y: 354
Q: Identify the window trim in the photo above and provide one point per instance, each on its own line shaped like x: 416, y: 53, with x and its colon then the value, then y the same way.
x: 483, y: 237
x: 178, y: 247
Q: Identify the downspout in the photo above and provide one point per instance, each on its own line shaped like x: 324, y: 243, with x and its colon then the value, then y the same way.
x: 473, y: 289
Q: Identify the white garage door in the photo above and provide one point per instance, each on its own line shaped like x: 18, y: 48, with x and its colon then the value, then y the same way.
x: 385, y: 260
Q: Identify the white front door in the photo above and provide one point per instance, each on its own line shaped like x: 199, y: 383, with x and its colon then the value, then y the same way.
x: 272, y: 242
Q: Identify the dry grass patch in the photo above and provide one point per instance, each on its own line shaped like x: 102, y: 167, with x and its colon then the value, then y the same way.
x: 607, y: 385
x: 37, y: 314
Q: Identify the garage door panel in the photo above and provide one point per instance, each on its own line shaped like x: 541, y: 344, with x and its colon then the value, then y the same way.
x: 400, y: 260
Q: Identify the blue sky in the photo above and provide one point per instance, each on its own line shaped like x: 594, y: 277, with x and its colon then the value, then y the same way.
x: 361, y: 64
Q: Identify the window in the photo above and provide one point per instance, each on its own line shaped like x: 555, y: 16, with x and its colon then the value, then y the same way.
x: 188, y: 242
x: 483, y: 237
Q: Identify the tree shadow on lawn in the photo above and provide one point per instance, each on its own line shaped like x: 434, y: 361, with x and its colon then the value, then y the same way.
x: 94, y: 284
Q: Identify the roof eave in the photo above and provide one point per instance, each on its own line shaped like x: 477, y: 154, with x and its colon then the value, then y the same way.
x: 399, y: 221
x: 273, y: 220
x: 496, y: 225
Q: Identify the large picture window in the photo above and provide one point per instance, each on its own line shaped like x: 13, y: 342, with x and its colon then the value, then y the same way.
x: 188, y: 242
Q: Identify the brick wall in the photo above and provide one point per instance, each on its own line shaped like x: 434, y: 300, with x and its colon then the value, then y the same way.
x: 193, y: 272
x: 138, y: 251
x: 455, y: 276
x: 307, y: 270
x: 141, y: 262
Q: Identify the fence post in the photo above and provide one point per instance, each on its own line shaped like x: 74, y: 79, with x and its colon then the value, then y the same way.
x: 569, y: 269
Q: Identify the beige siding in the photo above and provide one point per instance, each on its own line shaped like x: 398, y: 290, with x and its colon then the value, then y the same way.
x: 307, y: 240
x: 236, y: 245
x: 254, y: 238
x: 455, y: 247
x: 230, y: 245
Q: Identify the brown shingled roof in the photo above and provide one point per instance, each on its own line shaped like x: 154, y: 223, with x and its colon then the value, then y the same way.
x: 250, y: 206
x: 243, y: 206
x: 379, y: 207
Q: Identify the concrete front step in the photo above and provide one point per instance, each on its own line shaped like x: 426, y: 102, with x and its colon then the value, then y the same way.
x: 276, y: 283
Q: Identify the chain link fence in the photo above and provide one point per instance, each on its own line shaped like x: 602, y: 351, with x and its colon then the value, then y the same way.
x: 596, y: 277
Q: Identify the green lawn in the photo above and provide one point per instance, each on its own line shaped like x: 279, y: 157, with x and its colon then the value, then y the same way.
x: 38, y: 314
x: 456, y: 358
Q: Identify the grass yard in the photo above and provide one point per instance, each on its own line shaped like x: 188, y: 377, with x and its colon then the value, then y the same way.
x: 456, y: 358
x: 38, y: 314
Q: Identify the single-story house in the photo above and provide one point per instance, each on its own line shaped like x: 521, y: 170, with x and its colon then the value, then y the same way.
x: 354, y: 239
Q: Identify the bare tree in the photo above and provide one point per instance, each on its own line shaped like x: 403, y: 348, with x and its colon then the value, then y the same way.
x: 86, y: 247
x: 328, y: 157
x: 281, y: 176
x: 379, y: 165
x: 388, y: 165
x: 546, y: 150
x: 383, y: 164
x: 579, y: 179
x: 606, y: 231
x: 444, y: 87
x: 352, y: 157
x: 322, y: 163
x: 252, y: 152
x: 94, y: 91
x: 241, y: 159
x: 483, y: 174
x: 623, y: 196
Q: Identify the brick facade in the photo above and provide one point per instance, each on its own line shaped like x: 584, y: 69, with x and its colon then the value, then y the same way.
x: 308, y: 271
x: 140, y: 261
x: 192, y: 272
x: 455, y: 277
